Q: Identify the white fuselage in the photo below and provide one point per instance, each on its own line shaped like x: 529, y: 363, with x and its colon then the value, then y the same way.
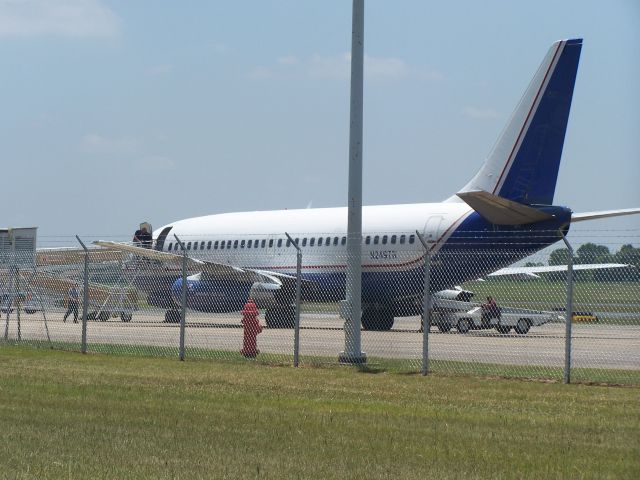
x: 258, y: 239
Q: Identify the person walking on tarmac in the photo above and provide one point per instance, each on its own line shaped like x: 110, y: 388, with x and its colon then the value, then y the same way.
x: 72, y: 302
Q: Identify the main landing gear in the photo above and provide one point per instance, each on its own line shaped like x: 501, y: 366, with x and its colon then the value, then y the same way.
x: 377, y: 317
x: 172, y: 316
x: 280, y: 316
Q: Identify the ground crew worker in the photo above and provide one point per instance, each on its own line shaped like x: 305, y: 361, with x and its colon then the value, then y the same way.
x: 490, y: 310
x: 72, y: 304
x: 142, y: 238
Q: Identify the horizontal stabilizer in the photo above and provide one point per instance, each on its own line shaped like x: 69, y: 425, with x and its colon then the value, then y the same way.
x: 501, y: 211
x: 580, y: 217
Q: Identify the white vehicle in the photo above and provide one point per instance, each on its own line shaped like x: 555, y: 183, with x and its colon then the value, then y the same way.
x: 518, y: 319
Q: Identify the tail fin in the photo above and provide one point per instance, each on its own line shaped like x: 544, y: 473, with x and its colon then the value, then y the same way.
x: 523, y: 165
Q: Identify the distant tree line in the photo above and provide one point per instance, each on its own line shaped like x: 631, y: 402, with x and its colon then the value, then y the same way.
x: 592, y: 253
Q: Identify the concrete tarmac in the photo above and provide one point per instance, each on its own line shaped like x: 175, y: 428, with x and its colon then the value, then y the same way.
x: 593, y: 345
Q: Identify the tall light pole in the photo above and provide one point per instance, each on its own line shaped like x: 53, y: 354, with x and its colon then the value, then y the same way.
x: 352, y: 348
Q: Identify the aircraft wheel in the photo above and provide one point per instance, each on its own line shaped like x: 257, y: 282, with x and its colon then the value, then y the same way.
x: 172, y: 316
x: 377, y: 318
x: 280, y: 317
x: 464, y: 325
x: 103, y: 316
x: 523, y: 325
x: 29, y: 311
x: 444, y: 327
x: 125, y: 317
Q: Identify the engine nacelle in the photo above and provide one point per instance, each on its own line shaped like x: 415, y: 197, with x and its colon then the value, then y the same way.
x: 223, y: 295
x: 454, y: 294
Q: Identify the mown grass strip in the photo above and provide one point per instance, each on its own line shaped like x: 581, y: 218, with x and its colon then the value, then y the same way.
x: 65, y: 415
x: 374, y: 364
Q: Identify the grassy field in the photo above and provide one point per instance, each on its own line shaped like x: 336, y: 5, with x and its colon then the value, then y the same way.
x: 616, y: 302
x: 600, y: 376
x: 619, y: 301
x: 67, y: 415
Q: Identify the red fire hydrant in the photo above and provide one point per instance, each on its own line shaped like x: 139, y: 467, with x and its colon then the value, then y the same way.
x: 252, y: 328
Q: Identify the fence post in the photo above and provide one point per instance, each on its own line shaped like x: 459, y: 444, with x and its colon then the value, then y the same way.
x: 18, y: 302
x: 12, y: 297
x: 568, y: 313
x: 296, y: 328
x: 85, y: 296
x: 426, y: 304
x: 183, y: 316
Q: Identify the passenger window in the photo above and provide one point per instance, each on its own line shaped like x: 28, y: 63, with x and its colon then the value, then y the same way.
x: 222, y: 243
x: 241, y: 243
x: 189, y: 246
x: 384, y: 239
x: 169, y: 247
x: 249, y: 243
x: 335, y: 241
x: 368, y: 240
x: 279, y: 242
x: 270, y: 242
x: 312, y: 241
x: 412, y: 238
x: 327, y: 241
x: 215, y: 245
x: 298, y: 242
x: 343, y: 241
x: 209, y: 245
x: 235, y: 244
x: 402, y: 239
x: 304, y: 242
x: 288, y: 242
x: 376, y: 240
x: 264, y: 242
x: 320, y: 242
x: 393, y: 239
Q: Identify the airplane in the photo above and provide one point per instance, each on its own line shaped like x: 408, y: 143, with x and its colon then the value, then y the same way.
x: 503, y: 214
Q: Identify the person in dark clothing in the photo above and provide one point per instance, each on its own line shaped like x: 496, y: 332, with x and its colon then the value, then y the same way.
x: 490, y: 310
x: 142, y: 238
x: 72, y: 303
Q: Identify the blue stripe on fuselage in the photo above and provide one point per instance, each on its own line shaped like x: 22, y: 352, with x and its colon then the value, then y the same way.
x: 476, y: 248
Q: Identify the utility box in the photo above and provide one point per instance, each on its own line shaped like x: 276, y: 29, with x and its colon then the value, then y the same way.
x: 18, y: 247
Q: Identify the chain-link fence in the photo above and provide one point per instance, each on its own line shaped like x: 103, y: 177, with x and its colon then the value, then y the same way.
x: 484, y: 319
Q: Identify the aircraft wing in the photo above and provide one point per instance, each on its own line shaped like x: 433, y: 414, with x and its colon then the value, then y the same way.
x: 73, y: 255
x: 580, y: 217
x: 534, y: 271
x: 208, y: 268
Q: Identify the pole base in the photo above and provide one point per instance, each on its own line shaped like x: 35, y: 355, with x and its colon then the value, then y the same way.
x: 352, y: 358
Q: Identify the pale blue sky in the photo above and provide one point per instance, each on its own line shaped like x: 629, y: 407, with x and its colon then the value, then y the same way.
x: 118, y: 111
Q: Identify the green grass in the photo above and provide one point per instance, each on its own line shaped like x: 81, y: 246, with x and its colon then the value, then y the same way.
x: 620, y: 300
x: 443, y: 367
x: 67, y: 415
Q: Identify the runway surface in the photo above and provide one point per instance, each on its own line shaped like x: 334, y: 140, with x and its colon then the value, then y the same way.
x: 593, y: 345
